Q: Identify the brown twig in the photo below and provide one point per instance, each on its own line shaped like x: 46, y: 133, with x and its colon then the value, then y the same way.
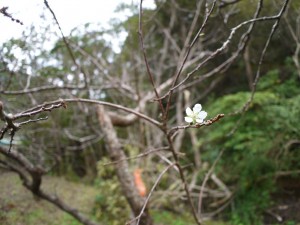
x: 146, y: 59
x: 67, y: 45
x: 42, y: 88
x: 221, y: 49
x: 149, y: 195
x: 138, y: 156
x: 64, y: 102
x: 176, y: 77
x: 3, y: 11
x: 198, y: 125
x: 258, y: 71
x: 12, y: 126
x: 33, y: 183
x: 226, y: 65
x: 207, y: 176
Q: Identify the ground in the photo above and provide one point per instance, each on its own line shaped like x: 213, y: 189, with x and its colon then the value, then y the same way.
x: 286, y: 203
x: 19, y: 207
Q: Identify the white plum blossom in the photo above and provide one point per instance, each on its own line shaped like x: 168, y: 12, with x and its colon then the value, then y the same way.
x: 195, y: 115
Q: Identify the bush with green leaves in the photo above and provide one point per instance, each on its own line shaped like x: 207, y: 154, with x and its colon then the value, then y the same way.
x: 110, y: 206
x: 256, y: 143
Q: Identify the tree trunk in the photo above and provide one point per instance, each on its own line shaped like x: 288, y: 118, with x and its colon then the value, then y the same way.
x: 249, y: 72
x: 122, y: 169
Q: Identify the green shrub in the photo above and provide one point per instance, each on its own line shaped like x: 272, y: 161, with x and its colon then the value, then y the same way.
x: 257, y: 149
x: 110, y: 206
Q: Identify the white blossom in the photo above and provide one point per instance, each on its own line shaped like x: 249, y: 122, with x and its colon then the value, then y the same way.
x: 195, y: 115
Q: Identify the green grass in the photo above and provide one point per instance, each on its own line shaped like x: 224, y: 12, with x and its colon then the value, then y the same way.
x: 19, y: 207
x: 168, y: 218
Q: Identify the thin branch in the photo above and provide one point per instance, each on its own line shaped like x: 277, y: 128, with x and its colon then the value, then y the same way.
x: 146, y: 59
x: 138, y: 156
x: 34, y: 183
x: 244, y: 109
x: 182, y: 176
x: 44, y: 108
x: 43, y: 88
x: 222, y: 48
x: 274, y: 28
x: 33, y: 120
x: 208, y: 13
x: 225, y: 65
x: 3, y: 11
x: 207, y: 176
x: 223, y: 3
x: 198, y: 125
x: 149, y: 195
x: 63, y: 102
x: 67, y: 44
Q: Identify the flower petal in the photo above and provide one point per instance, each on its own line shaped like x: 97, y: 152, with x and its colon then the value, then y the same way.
x: 189, y: 112
x: 202, y: 115
x: 199, y: 120
x: 197, y: 108
x: 188, y: 119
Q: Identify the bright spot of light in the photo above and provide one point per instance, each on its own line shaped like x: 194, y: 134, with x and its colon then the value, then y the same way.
x: 70, y: 77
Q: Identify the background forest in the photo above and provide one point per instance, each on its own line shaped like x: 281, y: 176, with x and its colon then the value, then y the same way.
x: 101, y: 134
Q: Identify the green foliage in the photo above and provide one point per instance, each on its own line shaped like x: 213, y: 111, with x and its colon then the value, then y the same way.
x: 68, y: 220
x: 256, y: 150
x: 254, y: 153
x: 110, y: 206
x: 253, y: 195
x: 291, y: 223
x: 170, y: 218
x: 165, y: 217
x: 18, y: 206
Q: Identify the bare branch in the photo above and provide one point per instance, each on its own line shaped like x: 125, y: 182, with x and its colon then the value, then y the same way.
x: 62, y: 102
x: 67, y: 45
x: 138, y: 156
x: 33, y: 185
x: 149, y: 195
x: 207, y: 176
x: 146, y: 59
x: 176, y: 77
x: 198, y: 125
x: 3, y: 11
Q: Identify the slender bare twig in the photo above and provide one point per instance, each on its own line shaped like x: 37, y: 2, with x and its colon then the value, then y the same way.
x: 226, y: 64
x: 146, y: 59
x: 138, y: 156
x: 33, y: 184
x: 176, y: 77
x: 221, y: 49
x: 33, y: 120
x: 42, y: 88
x: 183, y: 179
x: 244, y: 109
x: 3, y: 11
x: 198, y: 125
x: 274, y: 28
x: 223, y: 3
x: 149, y: 195
x: 10, y: 119
x: 207, y: 176
x: 67, y: 45
x: 63, y: 102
